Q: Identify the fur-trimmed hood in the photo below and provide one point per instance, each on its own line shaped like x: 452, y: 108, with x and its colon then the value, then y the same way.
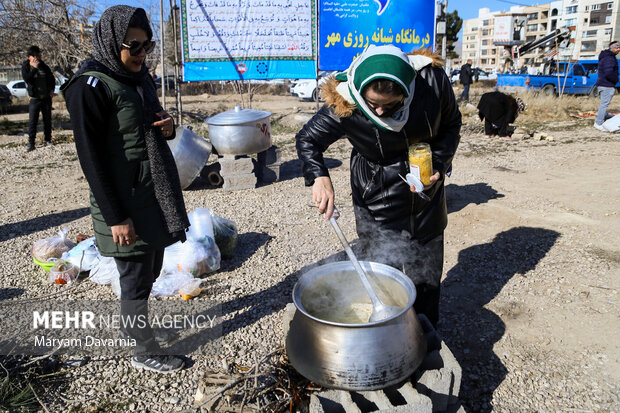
x: 343, y: 108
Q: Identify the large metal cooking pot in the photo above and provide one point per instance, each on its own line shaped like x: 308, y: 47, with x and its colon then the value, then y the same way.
x: 191, y: 152
x: 359, y: 357
x: 240, y: 131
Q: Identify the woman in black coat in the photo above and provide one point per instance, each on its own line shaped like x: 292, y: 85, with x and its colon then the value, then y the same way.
x: 498, y: 110
x: 383, y: 103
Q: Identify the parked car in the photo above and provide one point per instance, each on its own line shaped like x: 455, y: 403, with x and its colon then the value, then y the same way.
x: 307, y: 88
x: 482, y: 75
x: 18, y: 87
x: 6, y: 98
x: 570, y: 78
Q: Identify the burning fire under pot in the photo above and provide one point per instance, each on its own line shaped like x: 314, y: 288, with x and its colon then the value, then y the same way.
x: 332, y: 343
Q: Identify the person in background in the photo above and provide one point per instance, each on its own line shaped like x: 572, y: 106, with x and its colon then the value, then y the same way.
x: 383, y: 103
x: 606, y: 82
x: 40, y: 83
x: 498, y: 110
x: 120, y: 132
x: 466, y: 77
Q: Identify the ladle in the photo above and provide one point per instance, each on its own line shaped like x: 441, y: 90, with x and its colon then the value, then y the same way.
x: 380, y: 311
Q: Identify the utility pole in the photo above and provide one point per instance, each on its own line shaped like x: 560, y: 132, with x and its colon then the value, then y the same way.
x: 177, y: 85
x: 445, y: 32
x: 161, y: 49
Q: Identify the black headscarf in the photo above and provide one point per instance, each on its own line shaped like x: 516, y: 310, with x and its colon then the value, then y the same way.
x: 108, y: 36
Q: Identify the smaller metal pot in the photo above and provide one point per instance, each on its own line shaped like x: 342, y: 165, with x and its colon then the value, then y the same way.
x: 240, y: 131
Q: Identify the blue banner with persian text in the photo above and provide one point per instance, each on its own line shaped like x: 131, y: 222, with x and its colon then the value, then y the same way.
x: 346, y: 27
x: 248, y: 39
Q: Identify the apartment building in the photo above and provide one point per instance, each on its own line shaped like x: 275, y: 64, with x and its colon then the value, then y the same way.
x: 596, y: 25
x: 477, y: 42
x: 593, y: 24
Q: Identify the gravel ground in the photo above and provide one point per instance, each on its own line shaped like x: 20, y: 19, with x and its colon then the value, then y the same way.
x: 530, y: 290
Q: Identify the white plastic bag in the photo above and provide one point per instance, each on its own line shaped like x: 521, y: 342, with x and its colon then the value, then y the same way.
x: 199, y: 254
x: 52, y: 247
x: 191, y: 289
x: 169, y: 283
x: 105, y: 272
x: 84, y: 255
x: 191, y: 256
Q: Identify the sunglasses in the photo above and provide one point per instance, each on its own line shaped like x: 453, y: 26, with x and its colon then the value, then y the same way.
x: 135, y: 47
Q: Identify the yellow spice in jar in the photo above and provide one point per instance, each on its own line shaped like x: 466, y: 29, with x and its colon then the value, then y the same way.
x: 421, y: 162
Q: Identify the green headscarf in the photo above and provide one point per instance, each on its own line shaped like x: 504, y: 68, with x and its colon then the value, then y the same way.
x: 379, y: 62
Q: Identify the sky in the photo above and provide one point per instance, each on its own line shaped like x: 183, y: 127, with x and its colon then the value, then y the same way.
x: 150, y: 6
x: 468, y: 9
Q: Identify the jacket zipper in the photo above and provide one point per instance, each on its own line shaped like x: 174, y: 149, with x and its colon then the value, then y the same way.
x: 379, y: 142
x: 367, y: 187
x: 430, y: 130
x: 411, y: 213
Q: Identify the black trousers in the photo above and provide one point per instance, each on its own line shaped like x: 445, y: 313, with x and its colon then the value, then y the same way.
x: 501, y: 129
x: 137, y: 275
x: 45, y: 107
x: 422, y: 263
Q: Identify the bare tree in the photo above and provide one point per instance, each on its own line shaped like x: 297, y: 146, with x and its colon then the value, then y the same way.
x: 61, y: 28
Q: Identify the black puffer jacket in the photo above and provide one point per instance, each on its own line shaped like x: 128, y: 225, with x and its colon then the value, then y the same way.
x: 378, y: 155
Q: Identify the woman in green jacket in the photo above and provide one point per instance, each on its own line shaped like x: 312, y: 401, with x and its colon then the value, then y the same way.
x: 120, y: 132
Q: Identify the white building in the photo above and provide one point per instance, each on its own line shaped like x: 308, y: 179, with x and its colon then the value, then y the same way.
x: 593, y: 24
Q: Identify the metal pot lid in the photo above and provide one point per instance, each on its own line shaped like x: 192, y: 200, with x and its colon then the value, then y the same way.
x: 237, y: 116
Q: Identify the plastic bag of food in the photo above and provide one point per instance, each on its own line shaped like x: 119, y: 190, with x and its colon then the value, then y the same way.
x: 191, y: 256
x: 84, y: 255
x: 169, y: 283
x: 52, y: 247
x: 191, y: 289
x: 63, y: 272
x: 225, y: 234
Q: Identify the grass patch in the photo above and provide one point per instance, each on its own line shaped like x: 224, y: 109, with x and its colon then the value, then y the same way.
x: 11, y: 145
x: 64, y: 138
x: 15, y: 395
x: 8, y: 127
x: 278, y: 128
x: 541, y: 108
x: 21, y: 385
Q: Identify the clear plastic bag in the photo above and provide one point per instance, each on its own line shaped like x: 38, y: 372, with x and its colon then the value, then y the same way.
x: 191, y: 256
x: 225, y: 234
x: 199, y: 254
x: 191, y: 289
x: 105, y: 272
x: 201, y: 225
x: 52, y: 247
x: 169, y: 283
x: 63, y: 272
x: 84, y: 255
